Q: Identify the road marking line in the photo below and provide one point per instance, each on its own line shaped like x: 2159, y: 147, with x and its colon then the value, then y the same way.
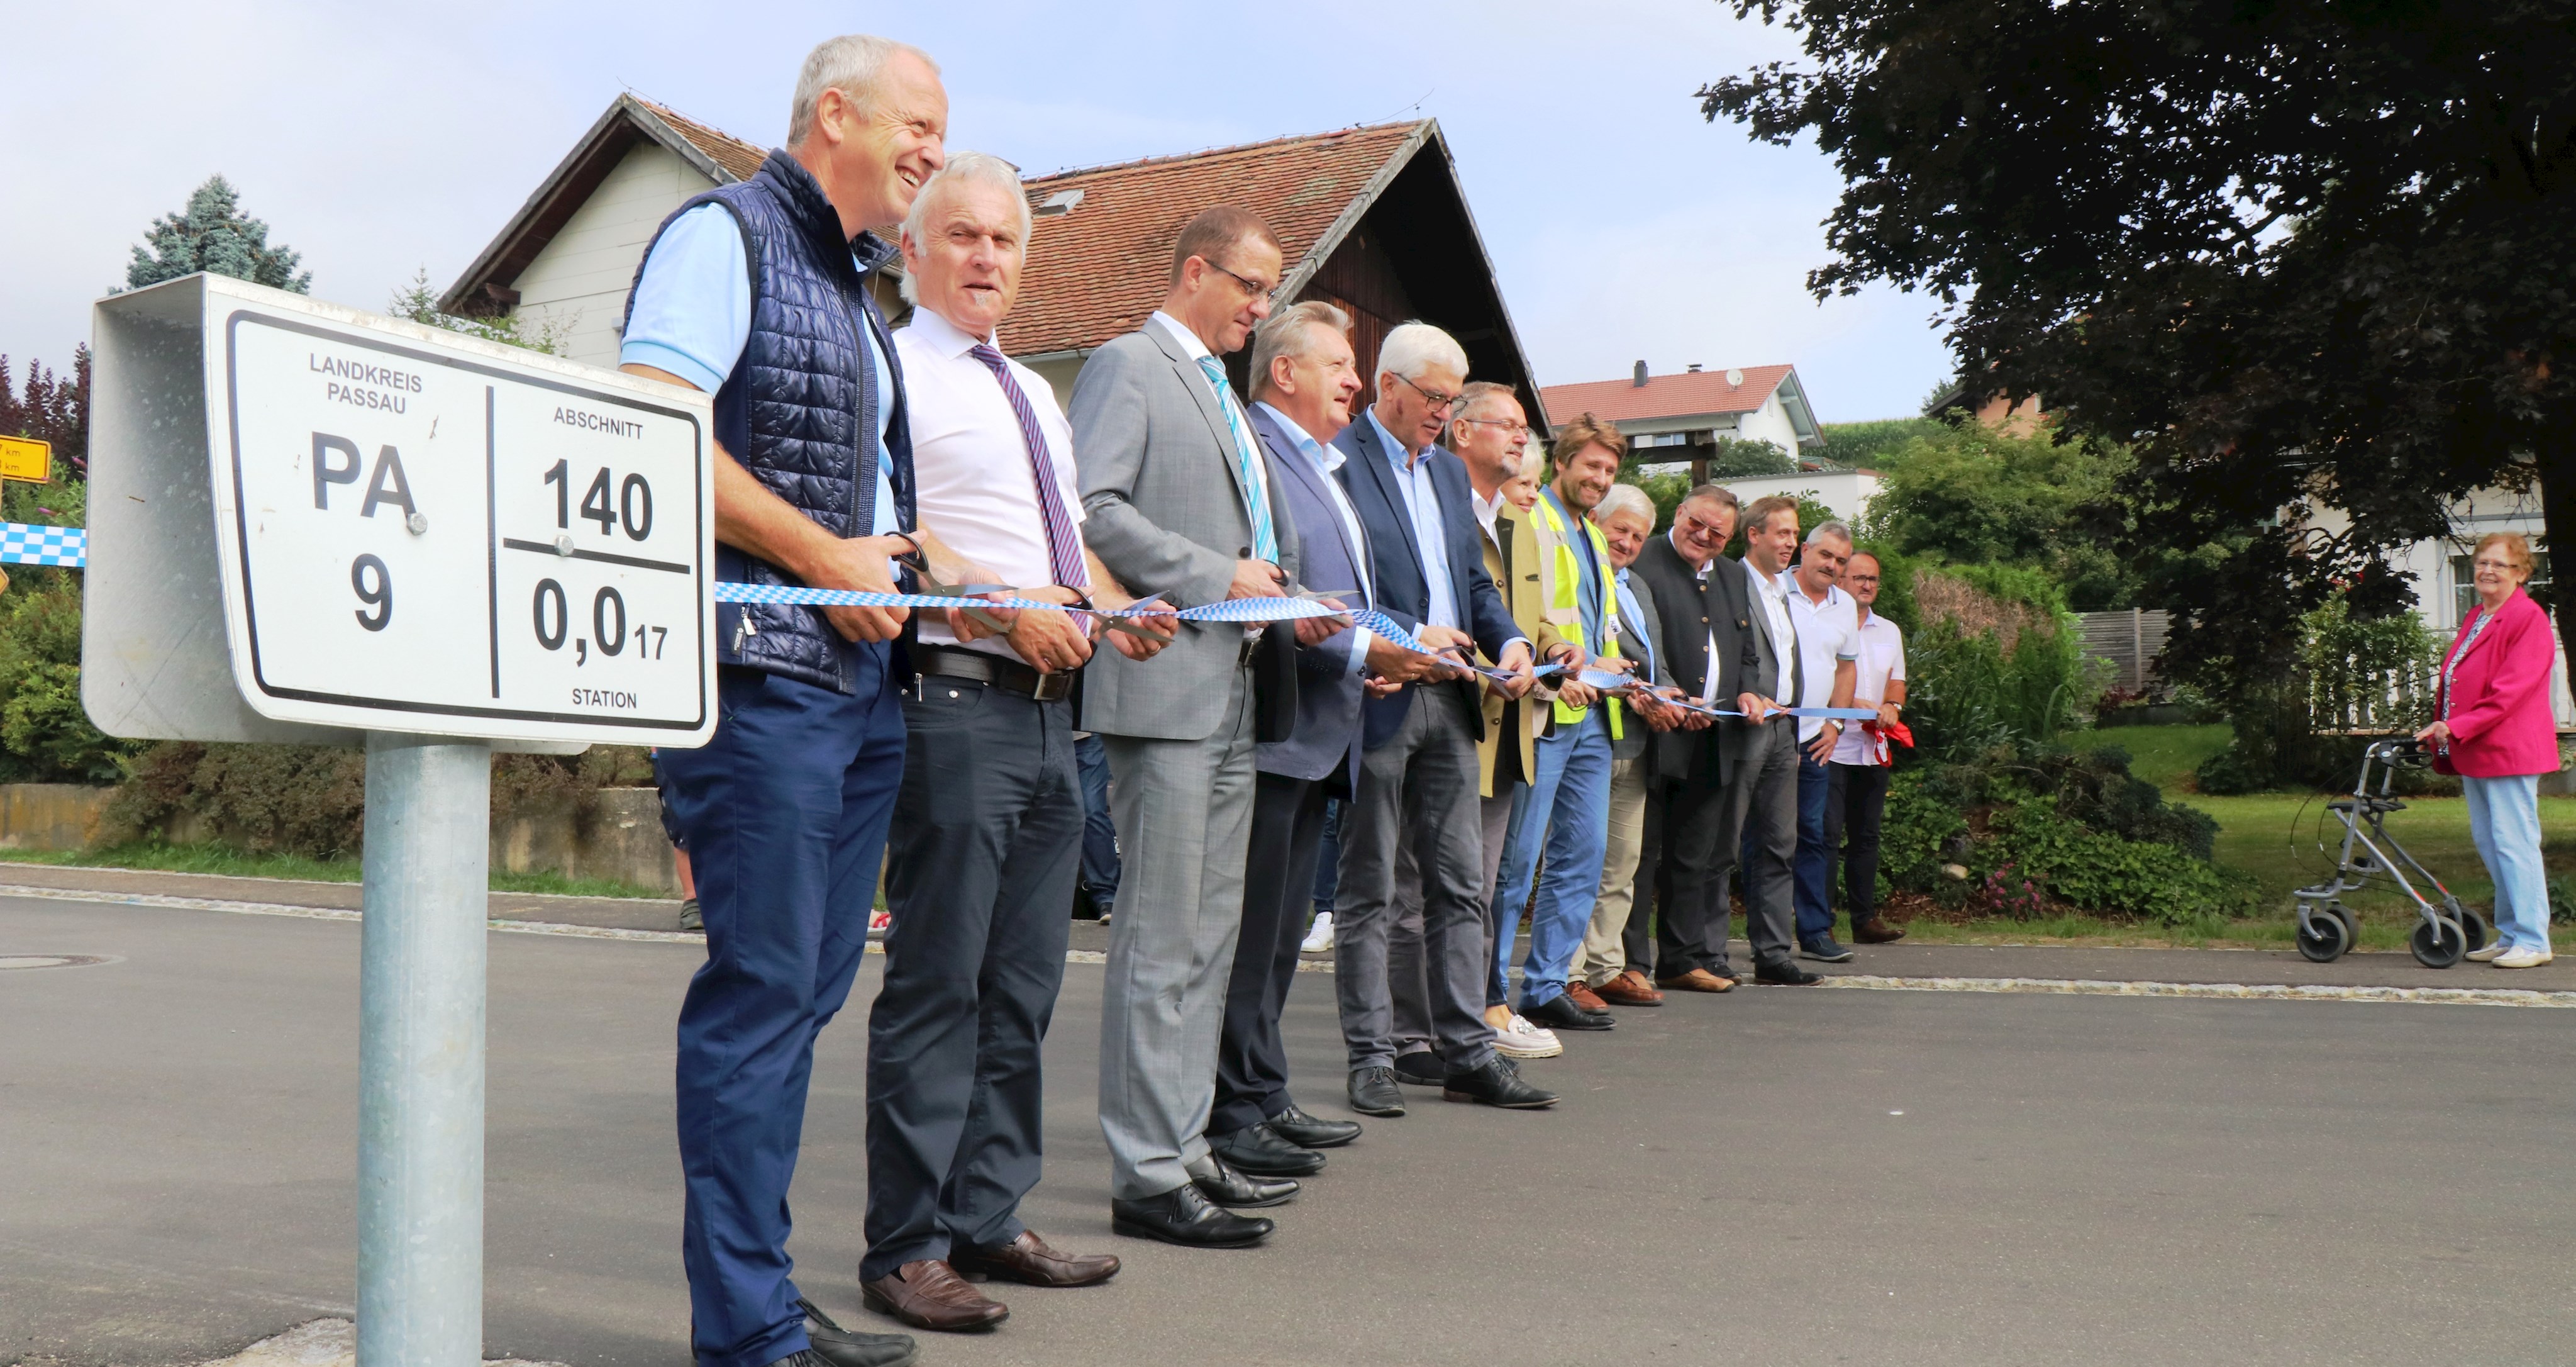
x: 1865, y: 982
x: 2295, y: 992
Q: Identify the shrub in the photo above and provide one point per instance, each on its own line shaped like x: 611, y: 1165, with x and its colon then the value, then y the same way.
x: 45, y: 736
x: 309, y: 800
x: 2097, y: 871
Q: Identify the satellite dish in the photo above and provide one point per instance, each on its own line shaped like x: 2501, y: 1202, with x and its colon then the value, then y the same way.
x: 1735, y: 378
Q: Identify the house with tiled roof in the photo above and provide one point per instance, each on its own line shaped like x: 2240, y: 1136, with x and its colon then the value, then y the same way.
x: 1372, y: 219
x: 1680, y: 417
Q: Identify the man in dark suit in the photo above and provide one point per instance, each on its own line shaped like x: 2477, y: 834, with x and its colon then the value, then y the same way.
x: 1418, y: 772
x: 1700, y: 599
x: 1304, y: 379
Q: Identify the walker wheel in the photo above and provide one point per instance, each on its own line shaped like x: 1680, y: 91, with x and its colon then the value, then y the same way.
x: 2439, y: 944
x: 2351, y: 926
x: 2475, y: 930
x: 2325, y: 937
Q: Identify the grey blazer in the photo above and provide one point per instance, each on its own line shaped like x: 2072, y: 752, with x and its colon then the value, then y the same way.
x: 1164, y: 513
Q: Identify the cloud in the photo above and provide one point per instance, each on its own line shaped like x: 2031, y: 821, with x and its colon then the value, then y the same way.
x: 1621, y: 224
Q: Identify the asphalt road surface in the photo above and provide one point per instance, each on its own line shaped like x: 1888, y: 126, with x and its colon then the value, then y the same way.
x: 1775, y: 1176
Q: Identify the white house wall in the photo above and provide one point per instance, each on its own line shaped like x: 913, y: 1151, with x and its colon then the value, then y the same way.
x: 1769, y: 423
x: 1848, y: 492
x: 581, y: 277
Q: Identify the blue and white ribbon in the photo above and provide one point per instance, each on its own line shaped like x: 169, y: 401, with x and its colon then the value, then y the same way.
x: 1236, y: 610
x: 23, y: 543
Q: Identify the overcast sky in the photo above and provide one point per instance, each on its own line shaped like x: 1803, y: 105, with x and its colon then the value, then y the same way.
x: 381, y: 139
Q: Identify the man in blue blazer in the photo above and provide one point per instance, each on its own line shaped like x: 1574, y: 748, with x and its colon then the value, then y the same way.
x: 1304, y: 379
x: 1418, y: 771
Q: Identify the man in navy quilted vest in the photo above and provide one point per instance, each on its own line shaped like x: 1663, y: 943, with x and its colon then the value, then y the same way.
x: 757, y: 293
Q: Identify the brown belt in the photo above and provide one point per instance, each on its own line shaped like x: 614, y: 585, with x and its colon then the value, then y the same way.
x: 951, y: 662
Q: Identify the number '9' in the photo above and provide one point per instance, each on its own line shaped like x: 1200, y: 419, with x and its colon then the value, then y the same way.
x: 379, y: 599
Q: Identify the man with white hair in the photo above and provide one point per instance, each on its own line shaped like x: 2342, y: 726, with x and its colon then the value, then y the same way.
x: 756, y: 292
x: 988, y: 826
x: 1828, y: 625
x: 1418, y: 771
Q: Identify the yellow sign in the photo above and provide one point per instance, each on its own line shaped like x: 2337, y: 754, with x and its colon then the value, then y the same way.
x: 26, y: 458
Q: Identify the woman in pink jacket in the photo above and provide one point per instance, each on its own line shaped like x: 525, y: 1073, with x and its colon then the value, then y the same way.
x: 2497, y: 734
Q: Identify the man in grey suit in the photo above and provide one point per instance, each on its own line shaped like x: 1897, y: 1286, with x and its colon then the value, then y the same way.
x: 1303, y: 380
x: 1419, y: 773
x: 1179, y: 501
x: 1760, y: 803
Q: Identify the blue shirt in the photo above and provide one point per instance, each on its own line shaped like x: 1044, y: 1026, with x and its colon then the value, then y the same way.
x: 1636, y: 617
x: 1430, y: 530
x: 692, y: 317
x: 1587, y: 593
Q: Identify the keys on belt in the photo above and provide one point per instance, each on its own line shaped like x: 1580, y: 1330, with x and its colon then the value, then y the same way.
x: 952, y: 662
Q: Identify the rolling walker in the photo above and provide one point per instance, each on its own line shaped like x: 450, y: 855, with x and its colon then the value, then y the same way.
x: 2326, y: 928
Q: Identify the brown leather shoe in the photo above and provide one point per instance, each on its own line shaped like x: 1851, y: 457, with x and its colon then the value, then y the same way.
x: 1029, y: 1260
x: 1585, y: 997
x: 1697, y: 980
x: 1876, y: 931
x: 930, y: 1295
x: 1630, y: 989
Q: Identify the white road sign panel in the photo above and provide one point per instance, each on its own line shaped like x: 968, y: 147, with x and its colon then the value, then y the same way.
x: 415, y: 536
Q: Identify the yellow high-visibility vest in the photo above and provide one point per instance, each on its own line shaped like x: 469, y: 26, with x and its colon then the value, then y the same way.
x: 1568, y: 604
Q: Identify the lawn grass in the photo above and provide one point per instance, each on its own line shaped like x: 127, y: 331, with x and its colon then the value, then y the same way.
x: 2274, y: 837
x: 232, y: 863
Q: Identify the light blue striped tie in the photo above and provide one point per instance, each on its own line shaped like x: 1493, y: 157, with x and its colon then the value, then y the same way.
x: 1247, y: 473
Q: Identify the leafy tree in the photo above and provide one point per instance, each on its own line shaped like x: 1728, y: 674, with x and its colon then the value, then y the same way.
x: 1973, y: 495
x: 418, y: 301
x: 51, y: 408
x: 1741, y: 458
x: 2295, y: 257
x: 212, y: 234
x: 1876, y: 445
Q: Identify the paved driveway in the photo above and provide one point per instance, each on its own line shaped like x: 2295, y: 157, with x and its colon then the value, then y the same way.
x: 1774, y: 1176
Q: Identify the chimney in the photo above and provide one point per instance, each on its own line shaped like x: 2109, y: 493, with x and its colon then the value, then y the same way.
x: 1694, y: 367
x: 1640, y: 381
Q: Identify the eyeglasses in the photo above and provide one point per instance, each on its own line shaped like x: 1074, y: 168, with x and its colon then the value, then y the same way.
x: 1439, y: 401
x: 1250, y: 286
x: 1518, y: 429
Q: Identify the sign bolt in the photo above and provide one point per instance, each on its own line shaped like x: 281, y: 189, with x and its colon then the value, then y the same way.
x: 418, y: 522
x: 563, y: 545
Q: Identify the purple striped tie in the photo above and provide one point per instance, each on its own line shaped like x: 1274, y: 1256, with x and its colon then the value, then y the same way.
x: 1064, y: 549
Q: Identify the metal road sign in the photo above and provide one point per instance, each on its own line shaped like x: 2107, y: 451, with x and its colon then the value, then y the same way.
x: 419, y: 532
x: 26, y: 458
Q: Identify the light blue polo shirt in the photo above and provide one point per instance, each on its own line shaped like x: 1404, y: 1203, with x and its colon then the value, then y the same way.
x: 692, y: 317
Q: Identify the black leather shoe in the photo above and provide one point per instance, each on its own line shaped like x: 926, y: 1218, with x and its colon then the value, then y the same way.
x: 1222, y: 1184
x: 1183, y: 1216
x: 1264, y: 1152
x: 1422, y: 1069
x: 1497, y: 1083
x: 1825, y: 949
x: 1307, y: 1132
x: 835, y: 1346
x: 1560, y: 1013
x: 1786, y: 974
x: 1373, y: 1092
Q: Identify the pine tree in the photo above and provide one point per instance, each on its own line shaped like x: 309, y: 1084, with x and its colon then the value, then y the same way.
x: 213, y: 234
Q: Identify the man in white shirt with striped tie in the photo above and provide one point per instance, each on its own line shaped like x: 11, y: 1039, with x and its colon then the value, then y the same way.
x: 988, y: 823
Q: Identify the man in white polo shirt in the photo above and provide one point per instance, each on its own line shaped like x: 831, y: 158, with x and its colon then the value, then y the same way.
x: 1859, y: 794
x: 1828, y: 627
x: 988, y: 823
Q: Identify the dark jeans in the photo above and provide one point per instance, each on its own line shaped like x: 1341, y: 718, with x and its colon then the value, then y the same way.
x: 1251, y: 1056
x: 1099, y: 832
x: 784, y: 813
x: 1813, y: 888
x: 986, y: 835
x: 1328, y: 858
x: 1854, y: 809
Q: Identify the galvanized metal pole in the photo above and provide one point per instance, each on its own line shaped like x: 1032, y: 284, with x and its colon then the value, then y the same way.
x: 420, y: 1052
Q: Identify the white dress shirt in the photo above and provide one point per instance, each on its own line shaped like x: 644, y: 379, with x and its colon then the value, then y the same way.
x: 1708, y: 677
x: 1327, y: 459
x: 1828, y: 634
x: 970, y: 464
x: 1882, y: 661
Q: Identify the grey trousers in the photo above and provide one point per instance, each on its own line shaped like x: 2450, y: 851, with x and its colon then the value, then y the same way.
x: 1422, y: 778
x: 1184, y: 814
x: 1407, y: 982
x: 1759, y: 813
